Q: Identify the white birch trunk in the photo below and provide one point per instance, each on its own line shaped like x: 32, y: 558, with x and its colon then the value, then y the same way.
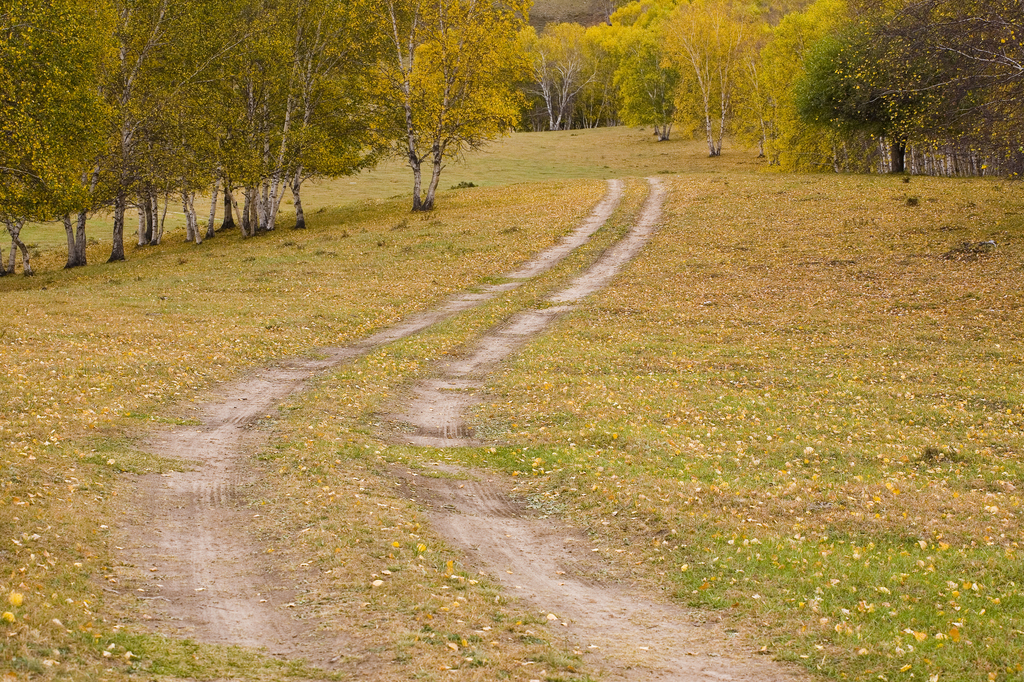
x: 14, y: 229
x: 159, y: 231
x: 213, y: 210
x: 190, y: 231
x: 300, y: 215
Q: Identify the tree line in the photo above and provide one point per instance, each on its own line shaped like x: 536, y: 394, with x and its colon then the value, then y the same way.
x: 112, y: 105
x: 108, y: 105
x: 931, y: 86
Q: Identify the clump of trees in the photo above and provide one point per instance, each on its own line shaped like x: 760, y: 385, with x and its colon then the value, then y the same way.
x: 927, y: 86
x: 116, y: 105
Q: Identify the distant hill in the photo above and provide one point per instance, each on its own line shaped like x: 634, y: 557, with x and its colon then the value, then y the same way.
x: 590, y: 12
x: 586, y: 12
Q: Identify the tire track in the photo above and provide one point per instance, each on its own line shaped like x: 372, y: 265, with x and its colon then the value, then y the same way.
x: 199, y: 570
x: 626, y: 635
x: 435, y: 416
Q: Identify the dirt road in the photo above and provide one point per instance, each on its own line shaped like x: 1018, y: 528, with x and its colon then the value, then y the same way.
x: 206, y: 577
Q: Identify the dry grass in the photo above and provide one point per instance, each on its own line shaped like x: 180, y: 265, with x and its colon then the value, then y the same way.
x: 837, y: 407
x: 92, y: 356
x: 802, y: 404
x: 586, y: 12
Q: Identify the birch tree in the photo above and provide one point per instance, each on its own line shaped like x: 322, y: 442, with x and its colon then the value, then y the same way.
x: 51, y: 113
x: 446, y: 75
x: 769, y: 110
x: 165, y: 50
x: 560, y: 68
x: 332, y: 53
x: 597, y: 103
x: 704, y: 40
x: 647, y: 82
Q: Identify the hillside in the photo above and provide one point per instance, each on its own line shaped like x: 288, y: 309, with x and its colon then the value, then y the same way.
x: 586, y: 12
x: 796, y: 414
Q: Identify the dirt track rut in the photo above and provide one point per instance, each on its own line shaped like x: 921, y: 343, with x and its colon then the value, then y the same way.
x: 622, y: 632
x: 207, y: 578
x: 203, y: 574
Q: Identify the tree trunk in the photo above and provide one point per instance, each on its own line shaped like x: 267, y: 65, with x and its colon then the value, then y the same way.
x: 117, y: 250
x: 254, y: 212
x: 229, y: 214
x: 898, y: 155
x: 16, y: 241
x: 417, y: 184
x: 435, y: 177
x: 190, y: 230
x: 142, y: 225
x: 213, y: 210
x: 3, y: 268
x: 300, y: 216
x: 710, y: 133
x: 14, y: 249
x: 147, y: 233
x: 246, y: 213
x: 263, y: 207
x: 273, y: 203
x: 14, y: 229
x: 80, y: 242
x: 69, y: 230
x: 194, y: 218
x: 158, y: 219
x: 154, y: 228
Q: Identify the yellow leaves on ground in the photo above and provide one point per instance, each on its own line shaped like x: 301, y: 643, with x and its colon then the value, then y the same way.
x: 792, y: 361
x: 74, y: 395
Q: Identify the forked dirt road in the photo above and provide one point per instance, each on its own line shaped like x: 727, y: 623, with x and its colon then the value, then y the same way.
x: 209, y: 580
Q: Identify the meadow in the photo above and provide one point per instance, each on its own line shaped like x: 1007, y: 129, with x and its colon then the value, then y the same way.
x: 520, y: 158
x: 800, y: 406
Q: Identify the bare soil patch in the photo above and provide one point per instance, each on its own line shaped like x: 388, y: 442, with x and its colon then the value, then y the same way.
x: 196, y: 565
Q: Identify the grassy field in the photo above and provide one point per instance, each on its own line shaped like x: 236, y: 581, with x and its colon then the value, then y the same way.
x: 94, y: 357
x: 519, y: 158
x: 586, y: 12
x: 801, y: 405
x: 833, y: 383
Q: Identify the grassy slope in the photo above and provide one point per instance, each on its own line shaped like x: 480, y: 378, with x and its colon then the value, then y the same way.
x: 800, y: 411
x: 519, y: 158
x: 818, y: 414
x: 586, y: 12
